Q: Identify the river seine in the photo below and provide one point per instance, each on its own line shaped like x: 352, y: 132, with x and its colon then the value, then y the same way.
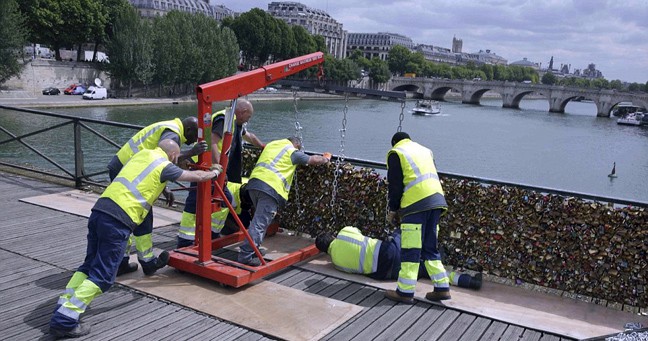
x: 572, y: 151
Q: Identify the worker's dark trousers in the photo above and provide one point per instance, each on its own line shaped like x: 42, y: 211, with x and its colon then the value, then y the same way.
x: 107, y: 238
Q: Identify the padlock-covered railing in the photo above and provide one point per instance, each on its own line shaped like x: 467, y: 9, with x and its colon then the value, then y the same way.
x: 586, y: 245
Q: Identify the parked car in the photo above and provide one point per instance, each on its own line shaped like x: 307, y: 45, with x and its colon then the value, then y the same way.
x: 79, y: 90
x: 51, y: 91
x: 70, y: 89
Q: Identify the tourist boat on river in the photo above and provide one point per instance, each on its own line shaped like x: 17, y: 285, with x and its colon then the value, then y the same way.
x: 624, y: 108
x: 426, y: 108
x: 632, y: 119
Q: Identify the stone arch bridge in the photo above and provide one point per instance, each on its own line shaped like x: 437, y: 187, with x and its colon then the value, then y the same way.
x: 512, y: 93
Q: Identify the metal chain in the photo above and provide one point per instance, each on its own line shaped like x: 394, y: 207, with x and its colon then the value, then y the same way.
x: 401, y: 117
x: 298, y: 134
x: 341, y: 156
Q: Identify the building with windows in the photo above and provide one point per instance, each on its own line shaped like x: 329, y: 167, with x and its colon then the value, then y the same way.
x: 155, y: 8
x: 436, y: 54
x: 377, y: 44
x: 488, y: 57
x: 527, y: 63
x: 315, y: 21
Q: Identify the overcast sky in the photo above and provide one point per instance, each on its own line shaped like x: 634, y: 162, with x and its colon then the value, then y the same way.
x: 611, y: 34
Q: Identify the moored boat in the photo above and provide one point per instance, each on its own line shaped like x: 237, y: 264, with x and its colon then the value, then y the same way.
x: 632, y: 119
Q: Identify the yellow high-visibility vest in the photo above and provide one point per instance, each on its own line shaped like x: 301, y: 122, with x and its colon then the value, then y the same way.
x: 138, y: 185
x: 420, y: 179
x: 275, y: 166
x: 352, y: 252
x: 149, y: 137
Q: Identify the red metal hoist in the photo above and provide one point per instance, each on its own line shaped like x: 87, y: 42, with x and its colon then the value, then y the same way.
x: 198, y: 259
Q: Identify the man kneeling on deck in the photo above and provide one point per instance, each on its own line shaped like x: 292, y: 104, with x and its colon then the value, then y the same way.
x: 121, y: 208
x: 379, y: 259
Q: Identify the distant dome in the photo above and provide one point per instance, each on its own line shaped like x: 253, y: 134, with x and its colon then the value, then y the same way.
x: 524, y: 62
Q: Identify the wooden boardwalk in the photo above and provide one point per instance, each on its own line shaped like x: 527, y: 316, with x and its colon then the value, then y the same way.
x: 40, y: 248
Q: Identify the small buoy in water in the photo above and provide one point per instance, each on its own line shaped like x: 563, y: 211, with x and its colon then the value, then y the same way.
x: 174, y: 102
x: 613, y: 174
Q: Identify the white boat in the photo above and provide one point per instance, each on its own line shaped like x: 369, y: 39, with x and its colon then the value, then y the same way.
x: 426, y: 107
x: 625, y: 108
x: 632, y: 119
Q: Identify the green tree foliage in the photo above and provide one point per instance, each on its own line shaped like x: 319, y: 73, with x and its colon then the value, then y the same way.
x: 288, y: 46
x: 12, y: 39
x: 256, y: 33
x: 304, y: 40
x: 549, y: 78
x: 110, y: 8
x: 359, y: 58
x: 379, y: 71
x: 130, y: 49
x: 320, y: 43
x: 60, y: 23
x: 398, y: 58
x: 340, y: 70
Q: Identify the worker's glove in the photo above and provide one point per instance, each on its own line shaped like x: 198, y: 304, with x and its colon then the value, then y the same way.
x: 217, y: 169
x: 168, y: 195
x: 199, y: 148
x: 327, y: 155
x: 392, y: 217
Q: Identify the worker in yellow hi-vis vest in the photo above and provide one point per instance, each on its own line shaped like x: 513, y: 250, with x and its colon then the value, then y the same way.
x: 122, y: 207
x: 416, y: 196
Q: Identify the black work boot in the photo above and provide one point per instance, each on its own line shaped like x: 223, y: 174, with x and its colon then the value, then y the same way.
x: 125, y: 267
x: 151, y: 267
x: 80, y: 330
x: 476, y: 281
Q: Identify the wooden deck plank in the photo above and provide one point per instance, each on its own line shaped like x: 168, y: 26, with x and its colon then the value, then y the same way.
x: 440, y: 325
x: 477, y: 329
x: 512, y: 333
x: 202, y: 323
x: 145, y: 325
x: 360, y: 295
x: 403, y: 323
x: 321, y: 285
x: 334, y: 288
x: 384, y: 321
x: 419, y: 327
x: 531, y: 335
x: 458, y: 328
x: 308, y: 282
x: 302, y: 275
x: 358, y: 323
x: 550, y: 337
x: 233, y: 334
x: 347, y: 291
x: 283, y: 275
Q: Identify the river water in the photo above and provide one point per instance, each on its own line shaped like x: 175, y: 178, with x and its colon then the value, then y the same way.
x: 572, y: 151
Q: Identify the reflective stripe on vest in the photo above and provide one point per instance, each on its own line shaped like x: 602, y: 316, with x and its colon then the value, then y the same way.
x: 136, y: 196
x: 420, y: 179
x: 149, y: 137
x: 275, y: 167
x: 354, y: 253
x: 218, y: 219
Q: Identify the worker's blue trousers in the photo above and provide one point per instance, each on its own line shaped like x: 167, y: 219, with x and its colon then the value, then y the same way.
x: 107, y: 238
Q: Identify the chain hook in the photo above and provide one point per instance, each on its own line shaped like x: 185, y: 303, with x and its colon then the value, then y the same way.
x: 401, y: 117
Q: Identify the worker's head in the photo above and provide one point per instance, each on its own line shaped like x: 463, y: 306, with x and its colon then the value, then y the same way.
x: 243, y: 111
x: 401, y: 135
x: 190, y: 125
x: 323, y: 241
x: 171, y: 148
x: 296, y: 142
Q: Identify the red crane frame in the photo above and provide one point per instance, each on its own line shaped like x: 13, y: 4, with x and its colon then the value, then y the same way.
x: 198, y: 259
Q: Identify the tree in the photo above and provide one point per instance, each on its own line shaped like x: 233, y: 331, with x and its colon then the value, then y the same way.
x: 110, y: 8
x: 12, y: 39
x: 304, y: 40
x: 320, y: 43
x: 549, y: 78
x: 397, y: 59
x: 379, y: 71
x: 130, y: 49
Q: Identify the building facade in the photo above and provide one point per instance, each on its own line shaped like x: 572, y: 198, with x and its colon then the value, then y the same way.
x: 377, y: 44
x: 457, y: 45
x: 488, y: 57
x: 315, y: 21
x: 155, y: 8
x: 436, y: 54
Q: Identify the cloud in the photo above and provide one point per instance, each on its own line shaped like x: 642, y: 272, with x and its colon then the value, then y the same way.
x: 609, y: 33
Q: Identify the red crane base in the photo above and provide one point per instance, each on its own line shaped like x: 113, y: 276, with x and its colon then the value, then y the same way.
x: 229, y: 272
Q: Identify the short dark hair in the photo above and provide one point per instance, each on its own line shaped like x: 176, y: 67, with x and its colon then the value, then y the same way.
x: 295, y: 140
x: 323, y: 241
x: 401, y: 135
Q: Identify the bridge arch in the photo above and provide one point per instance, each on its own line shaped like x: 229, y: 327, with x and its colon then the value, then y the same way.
x: 475, y: 96
x: 438, y: 93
